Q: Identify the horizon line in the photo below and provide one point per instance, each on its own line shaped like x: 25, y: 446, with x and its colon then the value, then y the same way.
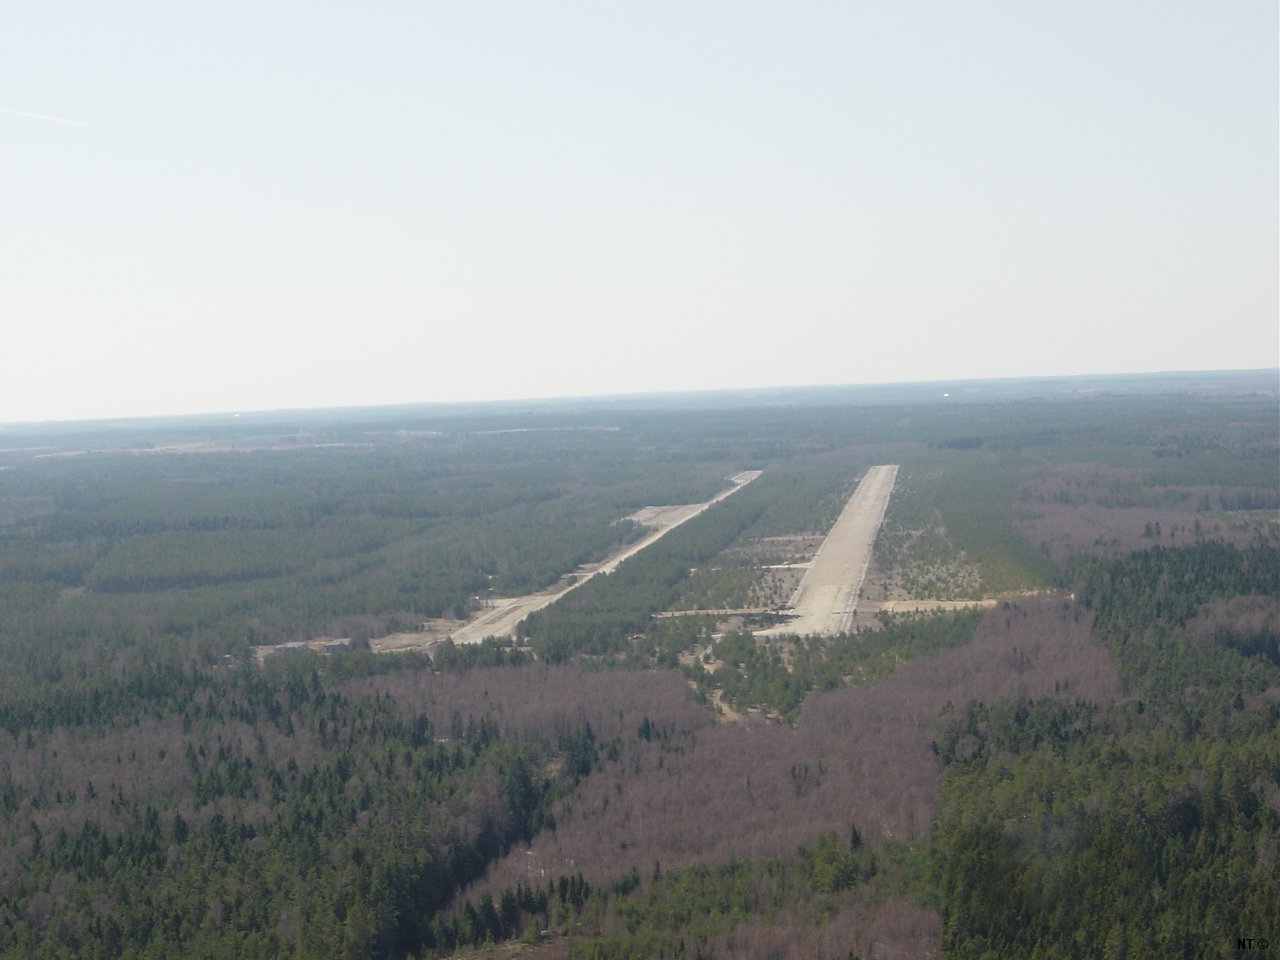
x: 632, y: 395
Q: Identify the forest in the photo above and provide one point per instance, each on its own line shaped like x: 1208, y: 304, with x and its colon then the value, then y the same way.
x: 1054, y: 731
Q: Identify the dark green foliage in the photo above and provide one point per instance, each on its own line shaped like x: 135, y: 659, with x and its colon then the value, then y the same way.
x: 975, y: 502
x: 601, y: 615
x: 696, y: 912
x: 1139, y: 829
x: 161, y: 797
x: 1143, y: 602
x: 1111, y: 845
x: 236, y: 547
x: 338, y: 827
x: 488, y: 653
x: 832, y: 865
x: 776, y: 674
x: 1167, y: 586
x: 980, y: 730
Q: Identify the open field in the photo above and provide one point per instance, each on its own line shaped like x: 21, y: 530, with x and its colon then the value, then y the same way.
x: 827, y: 597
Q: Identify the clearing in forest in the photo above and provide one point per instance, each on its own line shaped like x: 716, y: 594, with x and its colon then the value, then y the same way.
x: 827, y: 597
x: 501, y: 617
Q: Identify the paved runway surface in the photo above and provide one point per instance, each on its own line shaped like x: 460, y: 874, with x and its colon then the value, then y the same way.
x: 827, y: 597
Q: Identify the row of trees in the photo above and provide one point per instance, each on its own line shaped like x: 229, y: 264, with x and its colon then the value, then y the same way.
x: 601, y: 615
x: 776, y: 675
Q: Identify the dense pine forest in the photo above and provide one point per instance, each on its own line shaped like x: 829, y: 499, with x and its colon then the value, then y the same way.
x: 1054, y: 731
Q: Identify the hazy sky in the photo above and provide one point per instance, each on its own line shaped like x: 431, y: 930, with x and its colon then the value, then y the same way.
x: 246, y: 205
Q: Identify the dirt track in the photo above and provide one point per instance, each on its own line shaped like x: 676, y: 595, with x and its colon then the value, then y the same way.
x: 500, y: 620
x: 827, y: 597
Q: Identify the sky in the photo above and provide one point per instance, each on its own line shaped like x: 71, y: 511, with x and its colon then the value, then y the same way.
x: 258, y: 205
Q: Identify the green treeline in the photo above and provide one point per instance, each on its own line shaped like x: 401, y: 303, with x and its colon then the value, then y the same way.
x: 1143, y: 601
x: 262, y: 813
x: 976, y: 504
x: 776, y: 675
x: 218, y: 551
x: 599, y: 616
x: 1142, y: 828
x: 696, y: 911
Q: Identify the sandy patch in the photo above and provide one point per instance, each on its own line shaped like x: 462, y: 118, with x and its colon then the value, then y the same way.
x: 827, y: 598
